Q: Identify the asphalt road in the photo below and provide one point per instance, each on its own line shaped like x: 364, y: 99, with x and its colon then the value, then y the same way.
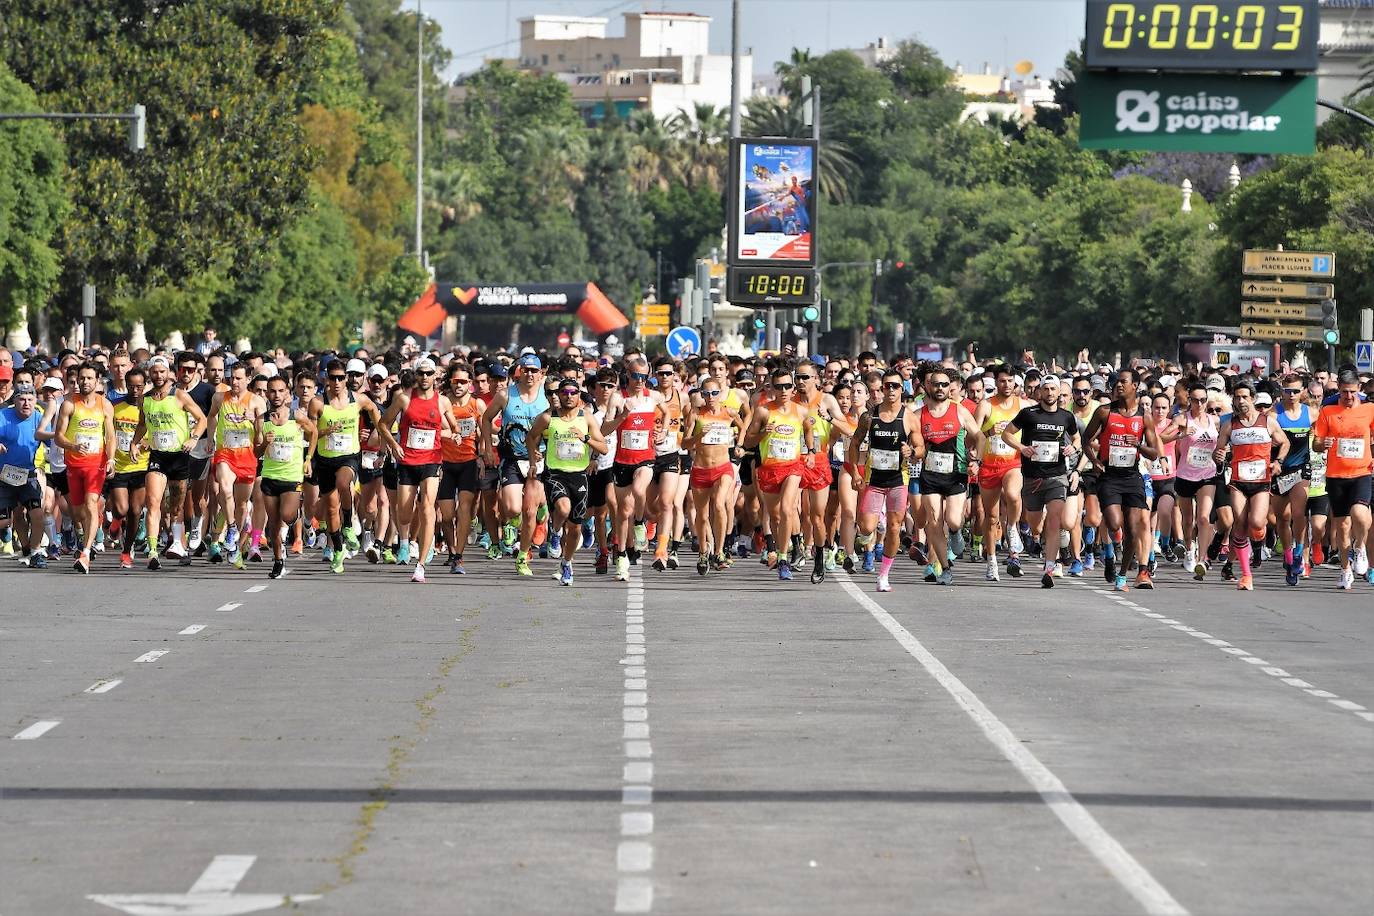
x: 681, y: 745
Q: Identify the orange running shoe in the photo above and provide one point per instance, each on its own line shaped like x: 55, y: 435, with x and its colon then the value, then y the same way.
x: 1246, y: 584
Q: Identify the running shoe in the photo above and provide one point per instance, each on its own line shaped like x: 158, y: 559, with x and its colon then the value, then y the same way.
x: 216, y: 553
x: 1089, y: 562
x: 785, y: 571
x: 1014, y: 544
x: 153, y: 562
x: 1246, y: 584
x: 236, y: 560
x: 1359, y: 560
x: 522, y: 564
x: 883, y: 584
x: 946, y: 577
x: 278, y: 567
x: 1014, y: 567
x: 603, y: 562
x: 1119, y: 583
x: 83, y: 563
x: 868, y: 561
x: 1144, y: 581
x: 231, y: 539
x: 1058, y: 570
x: 990, y: 574
x: 350, y: 539
x: 1047, y: 580
x: 770, y: 559
x: 1347, y: 580
x: 39, y: 561
x: 1292, y: 572
x: 830, y: 559
x: 336, y: 564
x: 1228, y: 572
x: 555, y: 544
x: 1109, y: 568
x: 565, y: 573
x: 641, y: 536
x: 403, y: 554
x: 418, y: 575
x: 703, y: 565
x: 493, y: 552
x: 388, y: 558
x: 126, y: 561
x: 919, y: 553
x: 327, y: 555
x: 1199, y: 569
x: 660, y: 561
x: 672, y: 559
x: 847, y: 562
x: 931, y: 574
x: 372, y: 553
x: 1076, y: 569
x: 956, y: 542
x: 543, y: 547
x: 622, y: 568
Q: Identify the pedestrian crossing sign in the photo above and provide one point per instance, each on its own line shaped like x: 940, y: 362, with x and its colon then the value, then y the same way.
x: 1364, y: 356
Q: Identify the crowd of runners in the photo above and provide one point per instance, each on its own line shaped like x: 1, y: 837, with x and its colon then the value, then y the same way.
x: 434, y: 460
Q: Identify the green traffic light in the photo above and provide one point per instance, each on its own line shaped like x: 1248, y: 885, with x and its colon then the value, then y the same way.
x: 1331, y: 337
x: 811, y: 313
x: 760, y: 324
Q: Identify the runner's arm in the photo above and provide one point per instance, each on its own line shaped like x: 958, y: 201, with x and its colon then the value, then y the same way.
x: 109, y: 436
x: 1277, y: 434
x: 595, y: 441
x: 64, y: 414
x: 860, y: 433
x: 379, y: 427
x: 754, y: 433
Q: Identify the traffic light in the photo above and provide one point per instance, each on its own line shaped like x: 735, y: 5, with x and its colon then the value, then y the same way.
x: 760, y: 323
x: 1331, y: 332
x: 810, y: 314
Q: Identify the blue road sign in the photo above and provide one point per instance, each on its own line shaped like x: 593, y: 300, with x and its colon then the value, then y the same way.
x: 683, y: 341
x: 1321, y: 265
x: 1364, y: 356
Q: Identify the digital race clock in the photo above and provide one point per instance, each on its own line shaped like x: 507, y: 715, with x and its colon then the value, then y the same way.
x: 1224, y: 35
x: 789, y: 286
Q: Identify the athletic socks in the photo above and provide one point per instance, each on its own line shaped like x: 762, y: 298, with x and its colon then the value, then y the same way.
x: 886, y: 566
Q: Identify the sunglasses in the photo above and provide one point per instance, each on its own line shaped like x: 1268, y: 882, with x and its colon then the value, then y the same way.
x: 939, y: 384
x: 1083, y: 391
x: 783, y: 386
x: 1292, y: 391
x: 806, y: 378
x: 568, y: 391
x: 642, y: 376
x: 425, y: 372
x: 606, y: 384
x: 186, y: 368
x: 893, y: 386
x: 746, y: 386
x: 666, y: 372
x: 1215, y: 410
x: 461, y: 381
x: 707, y: 393
x: 356, y: 374
x: 337, y: 378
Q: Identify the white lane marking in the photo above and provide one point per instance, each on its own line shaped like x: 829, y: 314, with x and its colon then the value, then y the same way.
x: 635, y: 730
x: 634, y: 715
x: 634, y: 639
x: 254, y: 589
x: 230, y: 606
x: 211, y: 895
x: 223, y: 874
x: 636, y: 683
x: 1129, y: 873
x: 634, y: 895
x: 634, y: 856
x: 192, y: 630
x: 37, y: 729
x: 638, y: 749
x: 151, y: 656
x: 638, y: 771
x: 1271, y: 670
x: 634, y: 672
x: 634, y: 859
x: 635, y: 650
x: 103, y: 686
x: 636, y: 823
x: 636, y: 697
x: 634, y: 628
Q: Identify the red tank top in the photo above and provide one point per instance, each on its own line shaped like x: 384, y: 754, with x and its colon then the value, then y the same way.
x: 936, y: 430
x: 1118, y: 445
x: 635, y: 438
x: 420, y: 426
x: 1251, y: 448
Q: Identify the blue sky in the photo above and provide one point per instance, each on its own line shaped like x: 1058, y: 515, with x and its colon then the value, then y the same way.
x: 1000, y: 32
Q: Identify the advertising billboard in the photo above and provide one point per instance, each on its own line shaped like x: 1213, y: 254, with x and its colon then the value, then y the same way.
x: 773, y: 202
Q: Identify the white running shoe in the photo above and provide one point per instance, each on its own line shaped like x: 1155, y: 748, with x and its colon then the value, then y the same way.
x: 1014, y: 544
x: 1361, y: 562
x: 1347, y: 581
x: 883, y: 584
x: 419, y: 574
x: 991, y: 573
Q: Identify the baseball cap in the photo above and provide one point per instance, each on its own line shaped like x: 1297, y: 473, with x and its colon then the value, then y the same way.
x: 530, y: 360
x: 269, y: 370
x: 1104, y: 369
x: 1050, y: 380
x: 54, y: 383
x: 425, y: 365
x: 1098, y: 382
x: 1216, y: 383
x: 1263, y: 399
x: 1258, y: 363
x: 1167, y: 381
x: 496, y: 370
x: 6, y: 373
x: 356, y: 365
x: 989, y: 385
x: 377, y: 371
x: 160, y: 360
x: 744, y: 375
x: 23, y: 389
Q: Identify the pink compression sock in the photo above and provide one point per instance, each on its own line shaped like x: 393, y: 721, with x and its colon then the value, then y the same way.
x: 886, y: 566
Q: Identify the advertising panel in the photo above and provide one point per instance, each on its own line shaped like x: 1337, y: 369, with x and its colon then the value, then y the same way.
x: 773, y: 202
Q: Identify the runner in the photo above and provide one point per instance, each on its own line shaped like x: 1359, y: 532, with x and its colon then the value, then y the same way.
x: 1045, y: 435
x: 85, y: 433
x: 667, y: 488
x: 778, y: 427
x: 1252, y: 435
x: 335, y: 454
x: 287, y: 440
x: 600, y: 483
x: 948, y: 430
x: 1196, y: 434
x: 893, y: 434
x: 426, y: 420
x: 1343, y: 432
x: 235, y: 419
x: 1163, y: 492
x: 521, y: 493
x: 715, y: 430
x: 21, y: 491
x: 637, y: 418
x: 458, y: 487
x: 1289, y: 497
x: 172, y: 423
x: 568, y: 435
x: 999, y: 474
x: 127, y: 485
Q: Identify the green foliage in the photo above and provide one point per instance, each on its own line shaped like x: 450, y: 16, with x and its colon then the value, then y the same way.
x: 33, y: 203
x: 184, y: 307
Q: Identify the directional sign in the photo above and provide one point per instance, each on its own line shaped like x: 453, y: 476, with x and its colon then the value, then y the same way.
x: 1258, y: 262
x: 684, y: 341
x: 653, y: 330
x: 1309, y: 333
x: 647, y: 312
x: 1273, y: 289
x: 1292, y: 311
x: 211, y: 895
x: 1364, y: 356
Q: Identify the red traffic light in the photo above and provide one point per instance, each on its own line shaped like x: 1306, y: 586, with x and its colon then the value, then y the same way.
x: 901, y: 264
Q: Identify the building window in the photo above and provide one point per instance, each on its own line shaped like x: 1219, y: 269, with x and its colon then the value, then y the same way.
x: 545, y: 59
x: 560, y: 58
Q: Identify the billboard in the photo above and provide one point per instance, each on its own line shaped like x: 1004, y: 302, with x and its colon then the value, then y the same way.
x: 584, y: 300
x: 772, y: 202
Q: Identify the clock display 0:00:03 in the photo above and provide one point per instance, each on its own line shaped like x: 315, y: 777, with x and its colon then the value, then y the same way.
x: 1165, y: 25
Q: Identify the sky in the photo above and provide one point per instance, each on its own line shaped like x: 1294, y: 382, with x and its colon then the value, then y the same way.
x: 971, y: 32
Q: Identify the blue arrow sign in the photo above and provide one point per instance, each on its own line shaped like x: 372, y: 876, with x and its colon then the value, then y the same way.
x: 1364, y: 356
x: 683, y: 341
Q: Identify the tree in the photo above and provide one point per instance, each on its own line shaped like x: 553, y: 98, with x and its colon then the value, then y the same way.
x: 33, y: 203
x: 611, y: 218
x: 768, y: 117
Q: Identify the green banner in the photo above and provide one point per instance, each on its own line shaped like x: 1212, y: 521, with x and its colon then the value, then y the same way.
x: 1204, y: 113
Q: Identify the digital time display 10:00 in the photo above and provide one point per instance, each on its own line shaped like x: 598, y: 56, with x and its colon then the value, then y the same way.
x: 1224, y: 35
x: 771, y: 284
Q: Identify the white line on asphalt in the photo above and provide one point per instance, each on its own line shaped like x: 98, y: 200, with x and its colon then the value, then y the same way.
x: 634, y: 889
x: 1244, y: 655
x: 636, y: 823
x: 151, y: 656
x: 230, y: 606
x: 254, y: 589
x: 634, y: 895
x: 103, y: 686
x: 38, y: 729
x: 192, y: 630
x: 1129, y: 873
x: 223, y: 874
x: 634, y: 856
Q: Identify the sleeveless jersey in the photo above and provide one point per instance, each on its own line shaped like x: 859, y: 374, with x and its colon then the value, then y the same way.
x: 344, y: 440
x: 421, y: 424
x: 465, y: 417
x: 168, y: 425
x: 944, y: 437
x: 284, y: 459
x: 516, y: 419
x: 1251, y: 449
x: 885, y: 467
x: 564, y: 448
x: 86, y: 427
x: 1165, y: 467
x: 635, y: 443
x: 782, y: 436
x: 672, y: 406
x: 997, y: 453
x: 125, y: 422
x: 1299, y: 432
x: 1195, y: 447
x: 714, y: 428
x: 234, y: 425
x: 1119, y: 443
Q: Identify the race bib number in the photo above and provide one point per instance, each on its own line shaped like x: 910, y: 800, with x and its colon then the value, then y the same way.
x: 165, y: 440
x: 782, y: 449
x: 340, y: 443
x: 124, y: 440
x: 884, y: 459
x: 634, y: 440
x: 372, y: 460
x: 1318, y: 477
x: 87, y: 443
x: 1200, y: 456
x: 1250, y: 471
x: 1045, y: 451
x: 420, y: 439
x: 1159, y: 467
x: 524, y: 467
x: 1350, y: 448
x: 570, y: 450
x: 236, y: 438
x: 718, y: 434
x: 1122, y: 456
x: 14, y: 476
x: 1288, y: 481
x: 467, y: 427
x: 997, y: 446
x: 281, y: 451
x: 202, y: 448
x: 940, y: 462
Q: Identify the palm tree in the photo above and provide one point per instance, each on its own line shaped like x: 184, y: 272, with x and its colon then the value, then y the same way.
x: 790, y: 71
x: 767, y: 117
x: 456, y: 193
x: 701, y: 134
x: 654, y: 155
x: 551, y: 158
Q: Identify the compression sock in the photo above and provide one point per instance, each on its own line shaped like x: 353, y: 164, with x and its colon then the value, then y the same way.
x: 886, y: 566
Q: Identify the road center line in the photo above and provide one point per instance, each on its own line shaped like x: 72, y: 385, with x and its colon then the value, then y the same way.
x: 230, y: 606
x: 254, y: 589
x: 103, y: 686
x: 192, y: 630
x: 634, y: 858
x: 37, y: 729
x: 1129, y: 873
x: 151, y: 656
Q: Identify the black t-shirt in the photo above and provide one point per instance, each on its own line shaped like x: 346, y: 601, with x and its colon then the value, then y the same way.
x: 204, y: 395
x: 1053, y: 428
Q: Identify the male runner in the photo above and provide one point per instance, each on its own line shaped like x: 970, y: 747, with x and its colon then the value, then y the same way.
x: 426, y: 419
x: 1343, y: 431
x: 1289, y: 497
x: 778, y: 427
x: 21, y: 492
x: 636, y: 418
x: 570, y: 436
x: 458, y: 487
x: 172, y: 423
x: 828, y: 420
x: 235, y: 417
x: 287, y: 440
x: 1045, y: 435
x: 950, y: 432
x: 521, y: 492
x: 85, y: 433
x: 999, y: 473
x: 127, y: 485
x: 336, y: 453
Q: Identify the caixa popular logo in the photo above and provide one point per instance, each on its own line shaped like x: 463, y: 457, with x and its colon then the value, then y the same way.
x: 1142, y: 112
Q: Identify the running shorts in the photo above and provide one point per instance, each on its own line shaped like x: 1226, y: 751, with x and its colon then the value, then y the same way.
x: 1188, y: 489
x: 624, y: 474
x: 1125, y: 490
x: 1345, y: 493
x: 598, y: 486
x: 1163, y: 486
x: 704, y: 478
x: 412, y: 475
x: 459, y: 477
x: 172, y: 465
x: 243, y: 462
x: 28, y: 494
x: 1250, y: 489
x: 935, y: 484
x: 129, y: 480
x: 880, y: 500
x: 770, y: 477
x: 667, y: 464
x: 572, y: 486
x: 816, y: 474
x: 272, y: 487
x: 326, y: 470
x: 1038, y: 492
x: 513, y: 472
x: 84, y: 479
x: 1319, y: 505
x: 990, y: 475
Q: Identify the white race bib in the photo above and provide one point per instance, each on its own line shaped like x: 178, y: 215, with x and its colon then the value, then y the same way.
x: 940, y: 462
x: 1318, y: 477
x: 1350, y: 448
x: 1046, y: 451
x: 467, y: 427
x: 782, y: 449
x: 1159, y: 467
x: 1122, y: 456
x: 1250, y: 471
x: 281, y: 451
x: 237, y: 438
x: 570, y: 450
x: 165, y: 440
x: 87, y: 443
x: 202, y: 448
x: 1200, y: 456
x: 997, y: 446
x: 14, y: 476
x: 884, y: 459
x: 371, y: 460
x: 420, y: 439
x: 524, y: 467
x: 718, y: 434
x: 634, y: 440
x: 124, y: 439
x: 340, y: 443
x: 1288, y: 481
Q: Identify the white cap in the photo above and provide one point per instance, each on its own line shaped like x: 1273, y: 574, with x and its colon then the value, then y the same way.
x: 269, y: 370
x: 1050, y: 380
x: 377, y: 371
x: 425, y: 363
x: 160, y: 359
x: 1263, y: 399
x: 989, y: 385
x: 1020, y: 381
x: 55, y: 383
x: 1168, y: 381
x: 356, y: 365
x: 524, y: 350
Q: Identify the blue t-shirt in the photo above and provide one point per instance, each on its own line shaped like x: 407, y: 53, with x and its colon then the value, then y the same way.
x: 19, y: 437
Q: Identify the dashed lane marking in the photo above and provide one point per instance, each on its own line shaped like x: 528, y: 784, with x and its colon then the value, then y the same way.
x: 151, y: 656
x: 104, y: 686
x: 37, y: 729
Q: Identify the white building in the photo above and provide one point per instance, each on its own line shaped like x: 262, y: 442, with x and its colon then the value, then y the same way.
x: 662, y: 63
x: 1345, y: 42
